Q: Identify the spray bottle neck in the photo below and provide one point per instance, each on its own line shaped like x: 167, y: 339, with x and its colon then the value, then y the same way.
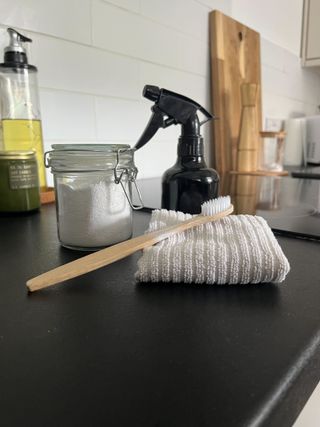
x: 190, y: 147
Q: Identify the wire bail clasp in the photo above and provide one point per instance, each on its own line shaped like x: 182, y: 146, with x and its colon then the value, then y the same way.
x: 119, y: 172
x: 45, y: 159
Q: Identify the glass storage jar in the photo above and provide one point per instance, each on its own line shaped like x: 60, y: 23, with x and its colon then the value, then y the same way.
x: 93, y: 188
x: 19, y: 182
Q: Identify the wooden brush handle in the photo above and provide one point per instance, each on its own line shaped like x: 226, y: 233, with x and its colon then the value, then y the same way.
x: 116, y: 252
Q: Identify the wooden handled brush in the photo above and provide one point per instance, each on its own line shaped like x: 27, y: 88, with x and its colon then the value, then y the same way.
x: 210, y: 211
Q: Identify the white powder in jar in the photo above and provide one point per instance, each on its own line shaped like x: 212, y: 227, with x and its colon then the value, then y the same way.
x: 92, y: 212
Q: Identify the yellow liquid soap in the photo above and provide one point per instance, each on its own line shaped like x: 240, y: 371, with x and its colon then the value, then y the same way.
x: 24, y: 134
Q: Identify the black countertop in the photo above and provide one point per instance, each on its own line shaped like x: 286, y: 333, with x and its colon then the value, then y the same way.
x: 291, y: 206
x: 104, y: 350
x: 309, y: 171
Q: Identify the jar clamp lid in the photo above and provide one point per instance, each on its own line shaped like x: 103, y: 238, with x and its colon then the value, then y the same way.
x: 96, y: 158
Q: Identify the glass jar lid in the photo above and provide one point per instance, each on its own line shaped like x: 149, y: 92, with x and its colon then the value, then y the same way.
x: 90, y: 147
x: 89, y: 157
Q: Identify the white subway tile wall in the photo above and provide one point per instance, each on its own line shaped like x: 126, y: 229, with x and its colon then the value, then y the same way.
x: 73, y: 115
x: 288, y: 90
x: 67, y: 19
x: 95, y: 56
x: 109, y: 111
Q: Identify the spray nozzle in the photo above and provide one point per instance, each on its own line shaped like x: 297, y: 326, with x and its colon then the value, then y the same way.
x: 171, y: 108
x: 151, y: 92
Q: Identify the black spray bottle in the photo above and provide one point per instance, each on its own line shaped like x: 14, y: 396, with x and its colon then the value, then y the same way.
x: 189, y: 183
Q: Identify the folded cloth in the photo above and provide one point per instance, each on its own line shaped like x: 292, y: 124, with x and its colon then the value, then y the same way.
x: 236, y: 249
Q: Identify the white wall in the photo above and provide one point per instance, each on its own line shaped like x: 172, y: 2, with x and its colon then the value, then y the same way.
x: 288, y: 90
x: 95, y: 56
x: 279, y: 21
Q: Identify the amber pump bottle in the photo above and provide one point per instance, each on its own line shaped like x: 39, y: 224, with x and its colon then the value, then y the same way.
x: 189, y: 183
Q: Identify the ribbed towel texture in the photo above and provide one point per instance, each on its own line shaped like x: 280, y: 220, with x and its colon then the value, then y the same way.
x: 237, y: 249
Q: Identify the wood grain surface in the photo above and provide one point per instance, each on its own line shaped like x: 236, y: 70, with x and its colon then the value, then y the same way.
x: 235, y: 59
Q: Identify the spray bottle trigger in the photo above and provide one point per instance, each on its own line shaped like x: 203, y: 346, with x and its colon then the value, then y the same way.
x: 156, y: 121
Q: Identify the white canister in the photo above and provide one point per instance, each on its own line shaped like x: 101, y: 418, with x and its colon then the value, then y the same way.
x: 93, y: 193
x: 295, y: 146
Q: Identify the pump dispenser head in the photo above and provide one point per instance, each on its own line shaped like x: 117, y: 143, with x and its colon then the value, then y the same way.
x: 171, y: 108
x: 15, y: 53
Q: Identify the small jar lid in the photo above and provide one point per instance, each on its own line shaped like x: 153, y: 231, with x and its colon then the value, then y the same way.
x: 18, y: 155
x: 106, y: 148
x: 89, y: 157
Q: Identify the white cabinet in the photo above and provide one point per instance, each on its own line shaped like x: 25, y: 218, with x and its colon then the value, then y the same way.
x: 310, y: 46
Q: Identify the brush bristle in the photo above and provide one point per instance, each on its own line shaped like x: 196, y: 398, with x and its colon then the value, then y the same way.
x: 214, y: 206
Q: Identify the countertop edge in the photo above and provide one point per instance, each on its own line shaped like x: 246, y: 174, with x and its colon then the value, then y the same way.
x: 286, y: 402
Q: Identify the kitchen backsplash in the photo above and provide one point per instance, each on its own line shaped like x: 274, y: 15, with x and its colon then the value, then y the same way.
x: 95, y: 56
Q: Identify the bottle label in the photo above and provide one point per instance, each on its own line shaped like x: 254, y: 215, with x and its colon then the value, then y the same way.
x: 23, y: 175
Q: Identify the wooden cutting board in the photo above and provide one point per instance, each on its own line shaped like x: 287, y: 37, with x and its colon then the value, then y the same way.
x: 235, y: 59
